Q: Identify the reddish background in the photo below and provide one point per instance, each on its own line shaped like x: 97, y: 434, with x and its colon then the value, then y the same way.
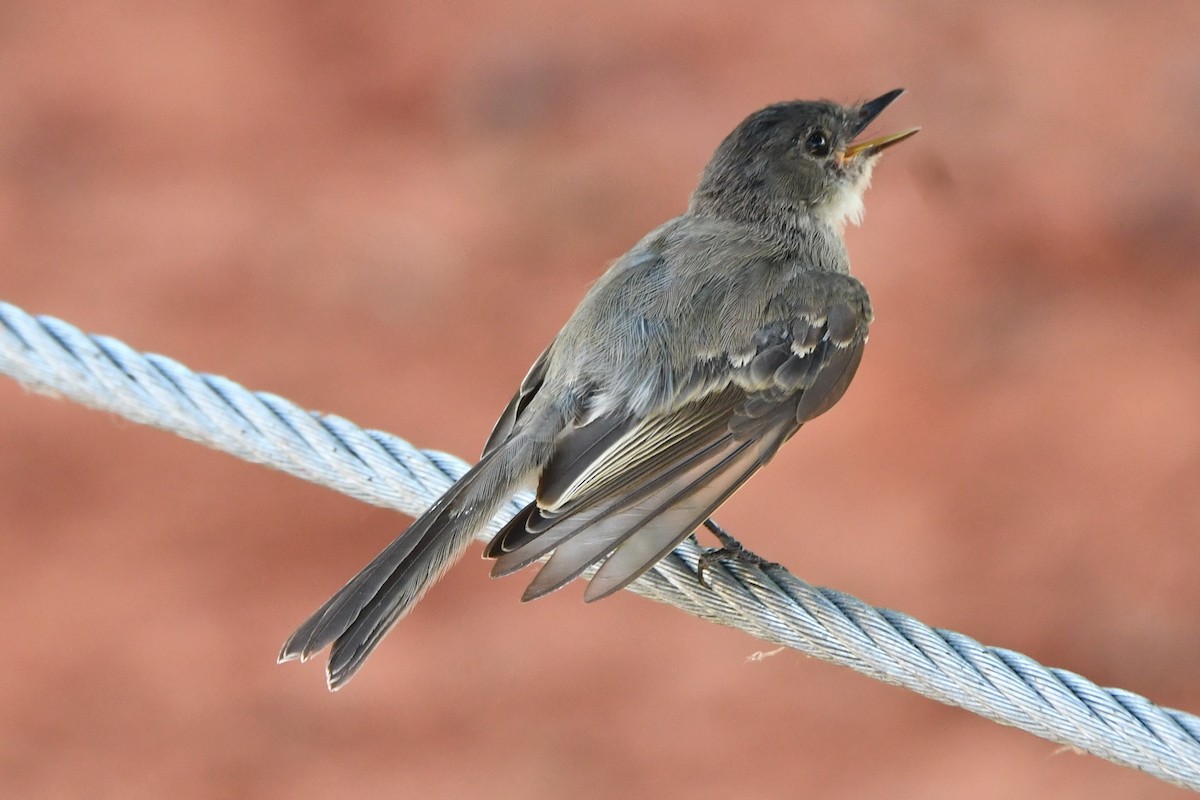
x: 386, y: 209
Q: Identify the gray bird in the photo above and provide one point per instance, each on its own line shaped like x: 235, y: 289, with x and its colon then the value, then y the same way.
x: 682, y: 371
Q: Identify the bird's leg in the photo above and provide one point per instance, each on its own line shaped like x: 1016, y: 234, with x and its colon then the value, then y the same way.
x: 730, y: 549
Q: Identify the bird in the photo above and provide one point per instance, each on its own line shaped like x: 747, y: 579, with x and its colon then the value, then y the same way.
x: 682, y: 371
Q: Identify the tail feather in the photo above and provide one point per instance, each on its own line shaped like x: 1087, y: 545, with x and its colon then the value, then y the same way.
x: 355, y: 619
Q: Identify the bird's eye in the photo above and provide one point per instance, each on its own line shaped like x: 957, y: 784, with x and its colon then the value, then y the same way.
x: 817, y: 143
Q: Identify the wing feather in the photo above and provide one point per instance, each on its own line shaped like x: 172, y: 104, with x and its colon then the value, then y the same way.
x: 586, y: 540
x: 512, y: 412
x: 624, y: 491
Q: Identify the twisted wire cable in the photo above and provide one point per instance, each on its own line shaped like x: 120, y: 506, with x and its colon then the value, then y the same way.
x: 50, y: 356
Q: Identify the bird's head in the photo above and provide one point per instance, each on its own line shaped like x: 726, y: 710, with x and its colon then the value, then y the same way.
x: 797, y: 158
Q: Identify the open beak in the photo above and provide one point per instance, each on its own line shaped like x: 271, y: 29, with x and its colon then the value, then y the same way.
x: 866, y: 113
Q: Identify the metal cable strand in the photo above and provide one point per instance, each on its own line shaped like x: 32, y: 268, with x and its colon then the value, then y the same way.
x: 52, y: 357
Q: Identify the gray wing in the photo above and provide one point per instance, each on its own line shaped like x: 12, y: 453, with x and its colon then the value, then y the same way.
x: 512, y: 412
x: 627, y: 491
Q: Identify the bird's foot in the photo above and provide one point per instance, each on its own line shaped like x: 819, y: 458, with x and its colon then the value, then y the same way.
x: 730, y: 550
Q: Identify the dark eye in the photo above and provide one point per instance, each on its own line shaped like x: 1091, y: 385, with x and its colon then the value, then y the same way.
x: 817, y: 143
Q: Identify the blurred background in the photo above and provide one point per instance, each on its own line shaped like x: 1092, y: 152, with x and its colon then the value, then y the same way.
x: 386, y: 209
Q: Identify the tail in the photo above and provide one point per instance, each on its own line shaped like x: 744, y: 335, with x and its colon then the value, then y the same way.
x: 356, y: 618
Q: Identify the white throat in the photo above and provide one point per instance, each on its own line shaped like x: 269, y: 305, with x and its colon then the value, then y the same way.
x: 847, y: 205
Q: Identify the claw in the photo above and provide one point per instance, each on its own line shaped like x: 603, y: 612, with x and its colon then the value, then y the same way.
x: 730, y: 550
